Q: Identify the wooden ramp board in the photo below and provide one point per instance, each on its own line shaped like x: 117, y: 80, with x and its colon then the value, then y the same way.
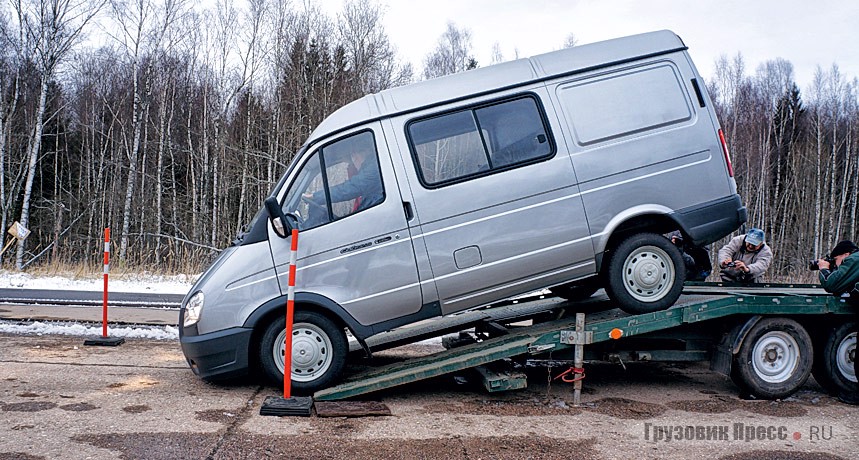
x: 351, y: 409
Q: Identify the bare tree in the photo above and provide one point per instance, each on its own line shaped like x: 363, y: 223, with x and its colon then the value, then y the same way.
x: 452, y: 54
x: 143, y: 33
x: 570, y: 41
x: 50, y: 29
x: 10, y: 66
x: 371, y: 58
x: 497, y: 56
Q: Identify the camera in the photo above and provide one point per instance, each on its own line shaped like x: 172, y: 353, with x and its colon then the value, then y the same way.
x: 813, y: 265
x: 730, y: 264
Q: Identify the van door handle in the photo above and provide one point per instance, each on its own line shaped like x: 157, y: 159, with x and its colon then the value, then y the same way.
x: 407, y: 207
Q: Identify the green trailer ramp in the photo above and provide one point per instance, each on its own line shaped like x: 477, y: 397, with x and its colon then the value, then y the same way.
x: 555, y: 335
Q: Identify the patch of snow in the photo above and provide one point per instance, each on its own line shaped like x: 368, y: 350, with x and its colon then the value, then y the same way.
x: 140, y: 283
x: 76, y: 329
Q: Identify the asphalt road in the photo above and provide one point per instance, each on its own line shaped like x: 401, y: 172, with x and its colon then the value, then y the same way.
x: 86, y: 306
x: 59, y: 399
x: 88, y: 298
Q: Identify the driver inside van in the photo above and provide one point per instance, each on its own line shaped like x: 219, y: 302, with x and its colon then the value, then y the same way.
x: 364, y: 185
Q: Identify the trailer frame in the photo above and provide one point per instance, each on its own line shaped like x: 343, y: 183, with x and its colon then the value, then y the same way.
x: 712, y: 319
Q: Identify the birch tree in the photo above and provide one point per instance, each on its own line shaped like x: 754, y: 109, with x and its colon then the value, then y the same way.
x: 142, y: 32
x: 50, y: 29
x: 452, y: 53
x: 10, y: 66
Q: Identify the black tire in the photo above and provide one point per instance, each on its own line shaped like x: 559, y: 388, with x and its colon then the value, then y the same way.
x: 645, y: 273
x: 834, y: 361
x: 775, y: 359
x: 319, y: 351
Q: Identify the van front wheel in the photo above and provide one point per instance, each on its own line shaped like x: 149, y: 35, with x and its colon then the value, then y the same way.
x: 645, y: 274
x: 319, y: 351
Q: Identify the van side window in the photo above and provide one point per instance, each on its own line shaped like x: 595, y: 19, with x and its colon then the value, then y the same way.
x: 659, y: 101
x: 340, y: 179
x: 479, y: 140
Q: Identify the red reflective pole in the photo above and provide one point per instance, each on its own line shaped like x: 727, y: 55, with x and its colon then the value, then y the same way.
x: 290, y: 309
x: 106, y: 267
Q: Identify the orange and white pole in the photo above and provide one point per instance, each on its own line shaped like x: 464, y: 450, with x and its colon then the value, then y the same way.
x: 290, y: 311
x: 106, y: 269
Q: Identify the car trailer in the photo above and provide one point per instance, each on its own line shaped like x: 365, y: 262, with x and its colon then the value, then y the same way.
x: 767, y: 337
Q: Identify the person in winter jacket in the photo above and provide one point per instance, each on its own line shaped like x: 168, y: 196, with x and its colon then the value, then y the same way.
x: 745, y: 258
x: 842, y: 279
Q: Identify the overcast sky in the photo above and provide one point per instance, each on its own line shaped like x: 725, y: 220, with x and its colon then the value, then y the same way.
x: 807, y: 33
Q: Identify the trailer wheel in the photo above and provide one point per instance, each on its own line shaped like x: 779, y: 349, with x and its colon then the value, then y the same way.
x: 645, y: 274
x: 835, y: 359
x: 319, y: 351
x: 774, y: 359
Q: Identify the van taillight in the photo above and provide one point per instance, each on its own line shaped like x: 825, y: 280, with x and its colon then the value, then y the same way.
x: 725, y: 151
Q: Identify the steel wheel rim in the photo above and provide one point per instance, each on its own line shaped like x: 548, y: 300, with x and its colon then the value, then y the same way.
x: 775, y: 357
x: 311, y: 352
x: 846, y: 353
x: 648, y: 273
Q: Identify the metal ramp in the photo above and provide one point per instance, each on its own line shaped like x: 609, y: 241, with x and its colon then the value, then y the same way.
x: 559, y: 335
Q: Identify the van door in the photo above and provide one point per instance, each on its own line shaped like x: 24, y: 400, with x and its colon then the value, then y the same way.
x: 354, y: 244
x: 498, y: 206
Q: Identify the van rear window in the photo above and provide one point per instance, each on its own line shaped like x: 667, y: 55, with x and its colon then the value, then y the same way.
x: 480, y: 140
x: 624, y: 104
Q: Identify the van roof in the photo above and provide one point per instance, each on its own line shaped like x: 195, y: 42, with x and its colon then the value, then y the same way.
x: 424, y: 94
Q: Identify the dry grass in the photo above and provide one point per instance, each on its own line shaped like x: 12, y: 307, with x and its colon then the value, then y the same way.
x: 88, y: 271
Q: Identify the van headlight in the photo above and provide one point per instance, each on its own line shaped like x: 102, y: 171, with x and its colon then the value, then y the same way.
x: 193, y: 309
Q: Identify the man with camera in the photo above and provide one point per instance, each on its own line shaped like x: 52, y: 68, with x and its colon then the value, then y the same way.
x: 745, y: 258
x: 839, y: 274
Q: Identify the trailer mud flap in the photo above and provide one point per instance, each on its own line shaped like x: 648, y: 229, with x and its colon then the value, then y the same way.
x: 730, y: 344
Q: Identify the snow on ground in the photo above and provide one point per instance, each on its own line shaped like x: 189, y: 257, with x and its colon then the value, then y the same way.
x: 81, y: 330
x: 140, y: 283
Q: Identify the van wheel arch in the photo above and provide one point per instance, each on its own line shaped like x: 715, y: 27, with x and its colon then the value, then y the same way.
x: 319, y: 352
x: 274, y: 309
x: 644, y: 223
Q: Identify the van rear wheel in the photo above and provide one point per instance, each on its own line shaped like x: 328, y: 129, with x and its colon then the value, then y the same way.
x: 645, y: 274
x: 319, y: 351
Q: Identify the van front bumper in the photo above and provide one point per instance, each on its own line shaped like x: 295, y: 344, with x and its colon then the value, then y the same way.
x: 218, y: 355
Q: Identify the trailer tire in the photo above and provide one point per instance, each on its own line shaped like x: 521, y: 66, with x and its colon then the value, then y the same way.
x: 774, y: 360
x: 835, y: 359
x: 319, y: 349
x: 645, y: 273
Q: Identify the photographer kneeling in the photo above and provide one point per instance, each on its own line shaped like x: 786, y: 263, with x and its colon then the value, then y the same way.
x: 842, y: 279
x: 745, y: 258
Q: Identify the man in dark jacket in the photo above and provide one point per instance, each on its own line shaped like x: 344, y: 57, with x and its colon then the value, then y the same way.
x: 843, y: 280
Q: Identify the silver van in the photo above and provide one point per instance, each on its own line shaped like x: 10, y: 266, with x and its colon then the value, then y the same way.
x: 559, y: 171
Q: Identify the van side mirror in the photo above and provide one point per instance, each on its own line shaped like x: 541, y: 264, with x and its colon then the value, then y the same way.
x: 278, y: 218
